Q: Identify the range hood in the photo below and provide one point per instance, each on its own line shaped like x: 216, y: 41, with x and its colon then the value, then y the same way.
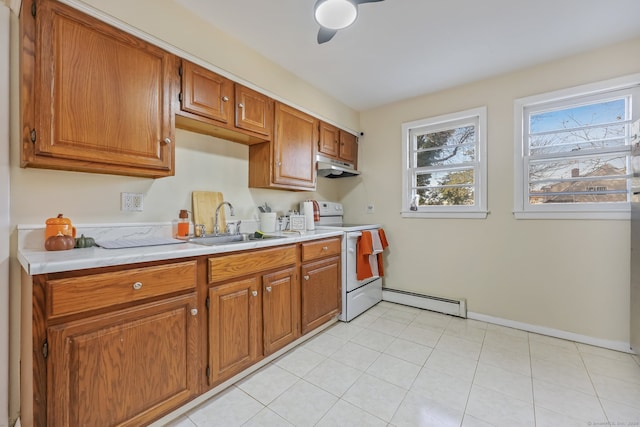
x: 331, y: 168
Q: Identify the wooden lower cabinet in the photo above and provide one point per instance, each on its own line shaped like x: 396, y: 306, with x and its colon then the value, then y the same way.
x: 234, y: 327
x: 320, y: 292
x: 254, y: 308
x: 126, y: 345
x: 124, y: 368
x: 280, y: 309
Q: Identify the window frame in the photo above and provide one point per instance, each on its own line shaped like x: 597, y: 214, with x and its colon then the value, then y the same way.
x: 448, y: 121
x: 567, y: 98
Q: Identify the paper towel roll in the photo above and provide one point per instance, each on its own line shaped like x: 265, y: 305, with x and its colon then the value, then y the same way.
x: 307, y: 211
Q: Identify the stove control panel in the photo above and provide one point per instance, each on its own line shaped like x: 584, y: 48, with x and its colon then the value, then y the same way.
x: 330, y: 208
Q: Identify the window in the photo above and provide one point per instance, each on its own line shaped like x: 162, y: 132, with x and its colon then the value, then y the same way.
x: 573, y: 152
x: 445, y: 167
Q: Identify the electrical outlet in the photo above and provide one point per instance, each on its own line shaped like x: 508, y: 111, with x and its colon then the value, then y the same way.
x: 131, y: 202
x: 370, y: 208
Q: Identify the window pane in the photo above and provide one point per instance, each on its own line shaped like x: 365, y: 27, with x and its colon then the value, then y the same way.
x: 580, y: 167
x: 446, y: 196
x: 578, y: 116
x: 446, y: 156
x: 444, y: 178
x: 454, y: 136
x: 577, y: 140
x: 598, y: 191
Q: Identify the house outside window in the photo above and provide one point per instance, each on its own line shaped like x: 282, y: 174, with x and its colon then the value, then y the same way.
x: 445, y: 167
x: 573, y: 151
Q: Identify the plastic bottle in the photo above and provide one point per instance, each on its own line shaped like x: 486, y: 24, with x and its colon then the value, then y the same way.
x: 183, y: 224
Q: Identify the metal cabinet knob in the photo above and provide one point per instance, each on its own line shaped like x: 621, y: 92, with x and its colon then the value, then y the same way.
x: 225, y: 98
x: 137, y: 285
x: 167, y: 140
x: 268, y: 288
x: 306, y: 277
x: 325, y: 248
x: 241, y: 105
x: 194, y: 311
x: 254, y: 293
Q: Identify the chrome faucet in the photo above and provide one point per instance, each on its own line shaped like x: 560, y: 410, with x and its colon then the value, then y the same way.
x: 216, y: 227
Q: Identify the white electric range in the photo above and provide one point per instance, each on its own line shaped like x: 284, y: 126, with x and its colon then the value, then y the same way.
x: 357, y: 295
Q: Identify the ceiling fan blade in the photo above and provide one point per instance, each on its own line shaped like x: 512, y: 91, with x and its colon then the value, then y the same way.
x: 325, y: 34
x: 366, y: 1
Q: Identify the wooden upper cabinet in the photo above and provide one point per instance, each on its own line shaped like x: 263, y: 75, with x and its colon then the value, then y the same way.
x: 338, y: 144
x: 348, y: 148
x: 329, y: 140
x: 215, y: 105
x: 254, y: 111
x: 206, y: 93
x: 288, y: 162
x: 95, y: 98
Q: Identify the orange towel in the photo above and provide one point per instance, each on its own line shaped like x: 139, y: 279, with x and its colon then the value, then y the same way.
x: 364, y: 250
x: 383, y: 238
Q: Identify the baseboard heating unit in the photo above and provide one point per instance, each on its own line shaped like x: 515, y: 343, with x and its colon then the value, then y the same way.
x: 455, y: 307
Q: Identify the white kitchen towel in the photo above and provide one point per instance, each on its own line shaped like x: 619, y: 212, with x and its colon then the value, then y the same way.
x: 373, y: 262
x: 377, y: 244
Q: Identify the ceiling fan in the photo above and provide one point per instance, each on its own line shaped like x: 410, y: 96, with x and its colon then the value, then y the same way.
x: 334, y: 15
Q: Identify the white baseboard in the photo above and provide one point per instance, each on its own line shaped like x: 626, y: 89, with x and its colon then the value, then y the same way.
x: 455, y: 307
x: 556, y: 333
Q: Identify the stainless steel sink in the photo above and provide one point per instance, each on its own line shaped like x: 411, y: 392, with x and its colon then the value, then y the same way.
x: 225, y: 239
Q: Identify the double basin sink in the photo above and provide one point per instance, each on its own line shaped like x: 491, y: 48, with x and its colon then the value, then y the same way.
x: 226, y: 239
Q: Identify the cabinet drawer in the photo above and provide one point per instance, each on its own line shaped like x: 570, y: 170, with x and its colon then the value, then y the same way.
x: 246, y: 263
x: 85, y: 293
x: 320, y: 248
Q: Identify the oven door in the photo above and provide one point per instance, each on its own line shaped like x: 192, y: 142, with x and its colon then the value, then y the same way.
x: 351, y: 279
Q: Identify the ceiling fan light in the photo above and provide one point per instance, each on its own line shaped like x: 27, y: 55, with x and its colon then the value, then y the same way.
x: 335, y: 14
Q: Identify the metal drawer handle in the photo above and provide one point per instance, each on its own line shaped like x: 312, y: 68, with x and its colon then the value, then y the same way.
x: 325, y: 248
x: 254, y: 293
x: 225, y: 98
x: 137, y: 285
x: 194, y: 311
x: 306, y: 277
x: 268, y: 288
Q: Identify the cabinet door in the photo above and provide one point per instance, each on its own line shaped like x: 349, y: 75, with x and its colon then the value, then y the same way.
x: 254, y: 111
x: 280, y: 309
x: 206, y: 93
x: 102, y: 98
x: 348, y: 147
x: 329, y: 140
x: 125, y: 368
x: 235, y: 327
x: 320, y: 292
x: 294, y: 148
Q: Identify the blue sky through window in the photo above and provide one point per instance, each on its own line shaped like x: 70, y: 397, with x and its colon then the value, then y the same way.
x: 583, y: 115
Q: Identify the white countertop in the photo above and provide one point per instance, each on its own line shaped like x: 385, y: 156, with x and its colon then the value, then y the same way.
x: 36, y: 260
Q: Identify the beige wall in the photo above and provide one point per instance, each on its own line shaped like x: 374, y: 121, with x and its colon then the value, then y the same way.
x: 202, y: 162
x: 566, y: 275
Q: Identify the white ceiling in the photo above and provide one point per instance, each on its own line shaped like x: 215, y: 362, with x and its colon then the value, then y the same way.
x: 398, y: 49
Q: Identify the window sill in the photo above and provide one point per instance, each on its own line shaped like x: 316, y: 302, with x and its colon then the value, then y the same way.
x: 446, y: 215
x: 611, y: 215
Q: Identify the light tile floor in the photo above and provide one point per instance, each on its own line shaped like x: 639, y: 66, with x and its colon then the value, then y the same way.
x: 400, y: 366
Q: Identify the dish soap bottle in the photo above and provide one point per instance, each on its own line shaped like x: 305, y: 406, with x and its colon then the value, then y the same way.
x: 182, y: 229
